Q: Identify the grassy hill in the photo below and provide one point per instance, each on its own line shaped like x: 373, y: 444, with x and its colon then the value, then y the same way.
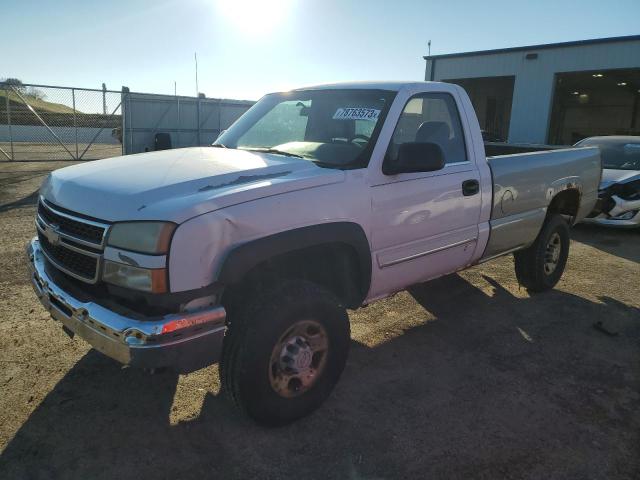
x: 40, y: 106
x: 53, y: 114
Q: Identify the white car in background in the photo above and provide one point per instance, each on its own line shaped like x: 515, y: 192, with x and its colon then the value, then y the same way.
x: 620, y: 185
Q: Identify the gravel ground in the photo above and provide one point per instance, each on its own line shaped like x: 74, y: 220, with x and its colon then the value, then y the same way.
x: 466, y: 376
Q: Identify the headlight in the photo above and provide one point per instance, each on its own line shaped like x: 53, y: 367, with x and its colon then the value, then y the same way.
x: 147, y: 280
x: 142, y: 237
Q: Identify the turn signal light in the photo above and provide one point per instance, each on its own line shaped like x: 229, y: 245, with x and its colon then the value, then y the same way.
x: 190, y: 321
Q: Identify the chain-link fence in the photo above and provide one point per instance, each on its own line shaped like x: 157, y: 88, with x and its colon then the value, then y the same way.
x: 40, y: 122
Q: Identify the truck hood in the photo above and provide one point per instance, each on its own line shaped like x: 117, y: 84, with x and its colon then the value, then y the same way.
x: 176, y: 185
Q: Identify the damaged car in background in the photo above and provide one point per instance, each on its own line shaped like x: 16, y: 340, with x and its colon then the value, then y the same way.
x: 619, y: 198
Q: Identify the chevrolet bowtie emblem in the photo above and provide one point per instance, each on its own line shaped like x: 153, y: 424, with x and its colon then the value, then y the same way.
x: 52, y: 234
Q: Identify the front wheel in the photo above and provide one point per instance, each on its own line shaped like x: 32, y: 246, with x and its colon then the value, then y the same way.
x: 539, y: 267
x: 285, y: 351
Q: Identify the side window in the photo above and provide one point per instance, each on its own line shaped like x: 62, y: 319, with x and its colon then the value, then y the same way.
x: 430, y: 117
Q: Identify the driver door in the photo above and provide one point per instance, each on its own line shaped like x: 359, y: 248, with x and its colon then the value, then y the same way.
x: 425, y: 224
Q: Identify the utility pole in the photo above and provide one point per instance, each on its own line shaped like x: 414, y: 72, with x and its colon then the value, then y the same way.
x: 175, y: 94
x: 195, y: 56
x: 104, y: 98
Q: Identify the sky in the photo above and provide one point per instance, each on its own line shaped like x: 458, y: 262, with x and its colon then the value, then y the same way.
x: 247, y: 48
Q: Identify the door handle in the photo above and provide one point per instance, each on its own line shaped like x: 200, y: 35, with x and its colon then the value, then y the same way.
x: 470, y: 187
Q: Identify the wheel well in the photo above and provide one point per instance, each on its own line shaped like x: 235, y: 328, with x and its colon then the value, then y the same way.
x: 567, y: 202
x: 335, y: 266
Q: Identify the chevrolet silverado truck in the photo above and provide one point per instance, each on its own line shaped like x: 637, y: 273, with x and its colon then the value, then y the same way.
x: 250, y: 251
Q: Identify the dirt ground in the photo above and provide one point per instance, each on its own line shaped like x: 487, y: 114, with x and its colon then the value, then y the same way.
x: 464, y: 377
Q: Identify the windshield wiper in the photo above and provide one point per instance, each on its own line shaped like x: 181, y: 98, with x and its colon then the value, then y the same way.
x: 219, y: 145
x: 274, y: 151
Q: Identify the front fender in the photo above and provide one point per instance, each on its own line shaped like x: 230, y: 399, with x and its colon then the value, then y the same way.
x: 210, y: 248
x: 247, y: 256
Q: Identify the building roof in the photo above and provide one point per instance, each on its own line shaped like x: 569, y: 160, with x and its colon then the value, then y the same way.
x: 577, y: 43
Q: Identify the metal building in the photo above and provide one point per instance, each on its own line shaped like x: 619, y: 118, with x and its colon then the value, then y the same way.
x: 187, y: 121
x: 555, y: 93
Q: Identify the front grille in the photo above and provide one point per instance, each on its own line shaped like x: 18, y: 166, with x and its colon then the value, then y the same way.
x: 73, y: 244
x: 77, y: 263
x: 72, y: 227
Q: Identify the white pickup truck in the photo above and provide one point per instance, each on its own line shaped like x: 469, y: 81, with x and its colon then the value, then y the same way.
x: 316, y: 200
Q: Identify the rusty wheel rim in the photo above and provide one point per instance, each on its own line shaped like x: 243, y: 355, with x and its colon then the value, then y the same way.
x: 298, y: 359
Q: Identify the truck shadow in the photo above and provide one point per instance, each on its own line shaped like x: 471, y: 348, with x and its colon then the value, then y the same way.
x: 619, y: 242
x: 487, y: 384
x: 28, y: 201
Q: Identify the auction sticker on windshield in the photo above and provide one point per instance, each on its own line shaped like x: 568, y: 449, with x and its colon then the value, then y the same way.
x: 357, y: 113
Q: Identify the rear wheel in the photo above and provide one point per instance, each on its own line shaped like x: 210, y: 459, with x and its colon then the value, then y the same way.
x: 539, y: 267
x: 285, y: 351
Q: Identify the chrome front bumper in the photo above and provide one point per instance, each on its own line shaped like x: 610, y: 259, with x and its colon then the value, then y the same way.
x: 182, y: 341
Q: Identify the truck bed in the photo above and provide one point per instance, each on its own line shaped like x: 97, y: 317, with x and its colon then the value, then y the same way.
x: 524, y: 184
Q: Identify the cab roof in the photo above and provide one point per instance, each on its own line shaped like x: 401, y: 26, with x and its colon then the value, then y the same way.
x: 394, y: 86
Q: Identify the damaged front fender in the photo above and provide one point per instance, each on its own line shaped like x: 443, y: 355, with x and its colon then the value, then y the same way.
x: 618, y: 204
x: 622, y: 196
x: 622, y: 206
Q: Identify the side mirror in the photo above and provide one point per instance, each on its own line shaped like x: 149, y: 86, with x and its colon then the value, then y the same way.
x: 304, y: 110
x: 415, y: 157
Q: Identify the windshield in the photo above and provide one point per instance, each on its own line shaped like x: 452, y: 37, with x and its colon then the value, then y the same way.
x: 617, y: 154
x: 334, y: 128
